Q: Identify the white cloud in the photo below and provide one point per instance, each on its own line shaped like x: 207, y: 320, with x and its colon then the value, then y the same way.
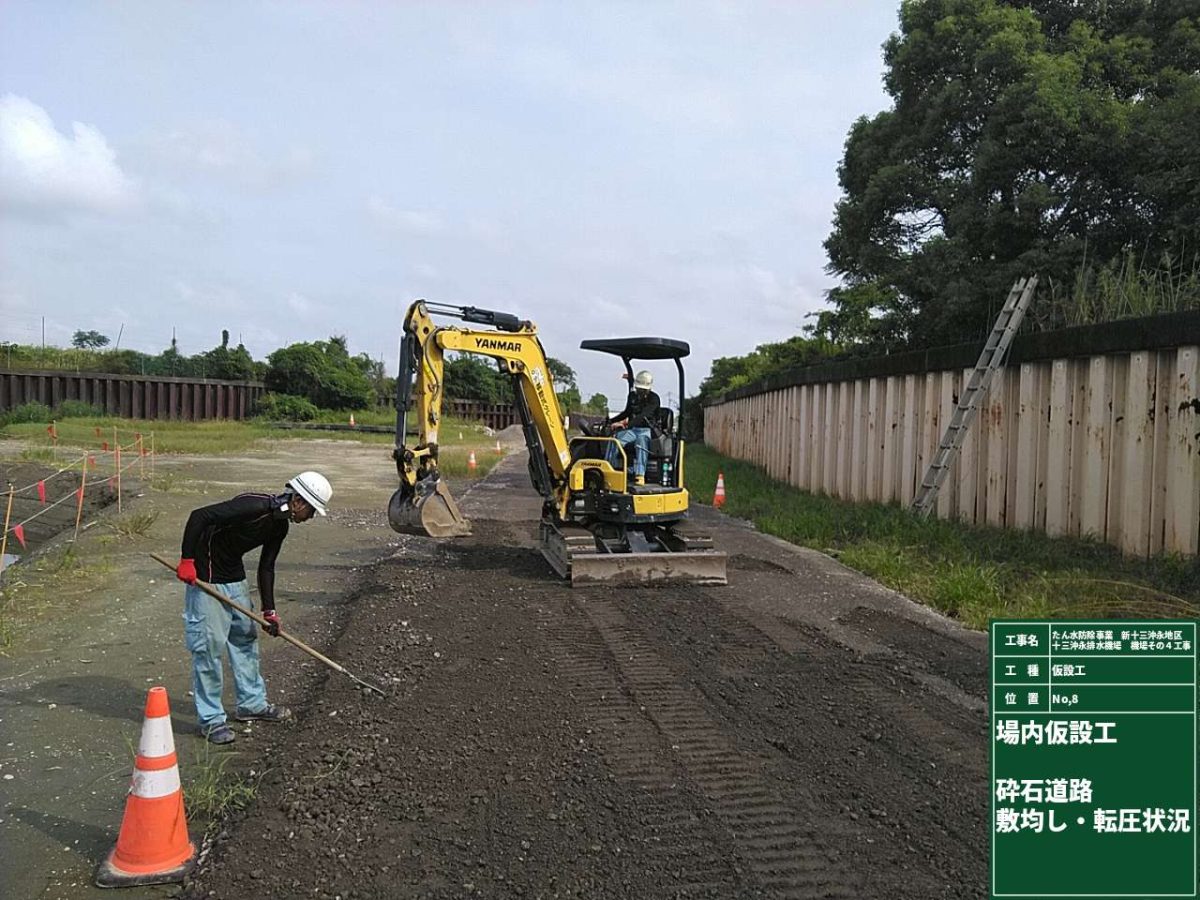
x: 300, y: 305
x: 220, y: 149
x: 405, y: 221
x: 209, y: 297
x: 45, y: 172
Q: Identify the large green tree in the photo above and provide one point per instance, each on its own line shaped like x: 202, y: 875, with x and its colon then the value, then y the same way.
x: 1037, y: 136
x: 469, y: 377
x: 222, y: 362
x: 89, y: 340
x: 729, y: 372
x: 323, y: 372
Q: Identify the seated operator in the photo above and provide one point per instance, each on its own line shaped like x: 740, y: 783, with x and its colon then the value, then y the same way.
x: 640, y: 416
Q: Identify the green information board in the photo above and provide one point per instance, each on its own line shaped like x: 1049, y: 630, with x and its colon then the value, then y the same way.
x: 1093, y: 758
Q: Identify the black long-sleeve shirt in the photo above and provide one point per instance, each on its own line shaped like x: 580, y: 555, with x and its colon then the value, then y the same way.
x: 218, y: 536
x: 641, y: 410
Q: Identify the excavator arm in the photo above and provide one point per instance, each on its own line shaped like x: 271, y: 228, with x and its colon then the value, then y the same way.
x: 423, y: 505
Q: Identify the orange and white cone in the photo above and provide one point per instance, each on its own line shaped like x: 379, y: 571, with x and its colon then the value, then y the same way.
x: 471, y: 464
x: 719, y: 493
x: 153, y: 846
x: 351, y: 420
x: 498, y: 448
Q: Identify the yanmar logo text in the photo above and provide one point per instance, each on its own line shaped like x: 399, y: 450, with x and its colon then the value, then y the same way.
x: 494, y: 344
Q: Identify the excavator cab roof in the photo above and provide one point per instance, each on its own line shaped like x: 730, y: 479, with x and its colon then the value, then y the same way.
x: 640, y: 347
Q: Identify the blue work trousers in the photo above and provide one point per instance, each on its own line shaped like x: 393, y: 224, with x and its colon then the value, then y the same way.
x: 640, y: 438
x: 211, y: 629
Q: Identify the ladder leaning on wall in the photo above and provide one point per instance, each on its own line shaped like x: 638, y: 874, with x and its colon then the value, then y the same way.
x: 991, y: 359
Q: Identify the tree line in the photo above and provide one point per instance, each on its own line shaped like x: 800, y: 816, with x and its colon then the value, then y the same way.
x: 1050, y: 136
x: 302, y: 378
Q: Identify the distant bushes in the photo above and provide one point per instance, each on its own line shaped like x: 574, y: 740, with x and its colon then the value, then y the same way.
x: 286, y: 408
x: 77, y: 409
x: 27, y: 412
x: 40, y: 412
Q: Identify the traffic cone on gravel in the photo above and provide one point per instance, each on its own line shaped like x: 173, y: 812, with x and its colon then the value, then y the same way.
x: 471, y: 464
x: 499, y: 449
x: 719, y: 493
x: 153, y: 846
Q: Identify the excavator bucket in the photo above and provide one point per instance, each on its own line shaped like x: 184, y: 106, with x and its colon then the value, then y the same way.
x: 427, y: 510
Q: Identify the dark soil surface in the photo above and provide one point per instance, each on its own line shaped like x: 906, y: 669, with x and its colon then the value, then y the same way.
x: 47, y: 520
x: 679, y: 742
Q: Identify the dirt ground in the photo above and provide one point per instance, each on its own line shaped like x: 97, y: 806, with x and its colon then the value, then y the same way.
x: 802, y: 732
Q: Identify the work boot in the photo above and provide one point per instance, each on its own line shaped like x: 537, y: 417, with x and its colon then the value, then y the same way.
x: 639, y: 479
x: 272, y: 712
x: 219, y: 734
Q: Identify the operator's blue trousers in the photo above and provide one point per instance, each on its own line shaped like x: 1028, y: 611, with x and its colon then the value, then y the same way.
x: 211, y: 629
x: 640, y: 438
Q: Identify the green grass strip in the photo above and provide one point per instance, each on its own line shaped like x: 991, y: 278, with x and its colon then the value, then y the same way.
x: 968, y: 572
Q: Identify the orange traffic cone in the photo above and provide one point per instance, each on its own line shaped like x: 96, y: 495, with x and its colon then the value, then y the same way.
x: 719, y: 494
x: 153, y: 846
x: 351, y: 420
x: 471, y: 464
x: 498, y: 448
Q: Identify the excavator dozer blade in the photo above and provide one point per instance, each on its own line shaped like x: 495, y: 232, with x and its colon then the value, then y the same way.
x: 616, y: 569
x: 572, y: 553
x: 427, y: 510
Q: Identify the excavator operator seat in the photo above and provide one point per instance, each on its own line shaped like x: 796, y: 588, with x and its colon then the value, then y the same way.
x: 662, y: 447
x: 662, y: 441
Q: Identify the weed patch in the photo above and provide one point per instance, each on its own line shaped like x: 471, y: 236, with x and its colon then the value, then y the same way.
x: 135, y: 524
x: 212, y: 791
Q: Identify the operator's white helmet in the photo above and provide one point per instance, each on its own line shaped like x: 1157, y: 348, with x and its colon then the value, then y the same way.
x: 314, y: 488
x: 643, y: 380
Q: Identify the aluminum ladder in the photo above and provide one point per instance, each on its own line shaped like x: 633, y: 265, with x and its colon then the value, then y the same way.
x: 991, y: 359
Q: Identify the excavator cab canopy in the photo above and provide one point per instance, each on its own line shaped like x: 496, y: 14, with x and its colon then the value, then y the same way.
x: 645, y: 348
x: 640, y: 347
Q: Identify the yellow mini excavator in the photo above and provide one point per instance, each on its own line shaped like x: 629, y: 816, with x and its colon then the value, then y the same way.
x: 597, y: 525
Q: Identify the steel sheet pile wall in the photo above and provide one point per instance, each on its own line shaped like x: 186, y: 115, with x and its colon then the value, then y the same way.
x: 133, y: 396
x: 1106, y: 445
x: 496, y: 416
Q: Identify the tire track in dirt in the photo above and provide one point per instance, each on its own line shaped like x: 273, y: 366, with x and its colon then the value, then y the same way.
x: 890, y: 769
x: 632, y: 748
x: 776, y: 842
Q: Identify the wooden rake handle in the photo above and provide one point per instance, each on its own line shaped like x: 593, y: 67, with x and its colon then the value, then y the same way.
x: 251, y: 614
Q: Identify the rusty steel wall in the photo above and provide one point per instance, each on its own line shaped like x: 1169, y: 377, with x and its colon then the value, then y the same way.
x: 134, y: 396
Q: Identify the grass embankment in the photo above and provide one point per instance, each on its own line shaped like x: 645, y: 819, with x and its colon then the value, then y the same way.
x: 971, y: 573
x: 225, y: 437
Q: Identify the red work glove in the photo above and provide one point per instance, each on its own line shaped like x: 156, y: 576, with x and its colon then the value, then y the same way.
x: 273, y: 622
x: 186, y: 571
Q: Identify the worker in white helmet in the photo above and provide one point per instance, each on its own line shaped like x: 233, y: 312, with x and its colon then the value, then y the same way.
x: 638, y: 420
x: 214, y: 541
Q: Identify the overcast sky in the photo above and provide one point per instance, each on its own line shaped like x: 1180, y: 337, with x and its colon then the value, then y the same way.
x: 294, y: 170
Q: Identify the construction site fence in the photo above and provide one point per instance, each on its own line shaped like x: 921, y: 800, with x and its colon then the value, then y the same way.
x: 117, y: 455
x: 134, y: 396
x: 1091, y: 431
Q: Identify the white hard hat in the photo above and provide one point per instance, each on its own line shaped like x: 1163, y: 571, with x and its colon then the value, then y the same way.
x: 314, y: 488
x: 643, y: 379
